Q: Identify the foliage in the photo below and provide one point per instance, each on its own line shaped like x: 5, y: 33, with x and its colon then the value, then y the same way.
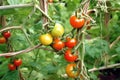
x: 41, y: 64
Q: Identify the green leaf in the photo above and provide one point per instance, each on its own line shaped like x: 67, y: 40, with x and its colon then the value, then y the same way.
x: 118, y: 49
x: 11, y: 75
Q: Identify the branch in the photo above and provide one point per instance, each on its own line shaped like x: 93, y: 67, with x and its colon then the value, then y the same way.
x: 26, y: 50
x: 114, y: 9
x: 104, y: 67
x: 12, y: 27
x: 114, y: 42
x: 22, y: 51
x: 15, y: 6
x: 44, y: 13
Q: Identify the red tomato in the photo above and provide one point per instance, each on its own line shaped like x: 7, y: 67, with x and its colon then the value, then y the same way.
x: 58, y: 44
x: 76, y: 23
x: 7, y: 56
x: 6, y: 34
x: 70, y: 70
x: 70, y: 43
x: 17, y: 62
x: 11, y: 67
x: 69, y: 56
x: 50, y: 1
x: 2, y: 40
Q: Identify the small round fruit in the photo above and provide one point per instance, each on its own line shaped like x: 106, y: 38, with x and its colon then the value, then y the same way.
x: 71, y: 70
x: 2, y: 40
x: 76, y: 22
x: 58, y: 44
x: 6, y: 34
x: 17, y: 62
x: 46, y: 39
x: 11, y: 67
x: 50, y: 1
x: 70, y: 43
x: 58, y: 30
x: 69, y: 56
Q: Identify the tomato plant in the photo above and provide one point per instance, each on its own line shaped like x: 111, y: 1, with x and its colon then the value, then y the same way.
x: 69, y: 56
x: 27, y: 22
x: 11, y: 67
x: 17, y: 62
x: 76, y: 22
x: 71, y: 70
x: 6, y: 34
x: 58, y: 30
x: 2, y: 40
x: 46, y: 39
x: 70, y: 43
x: 58, y: 44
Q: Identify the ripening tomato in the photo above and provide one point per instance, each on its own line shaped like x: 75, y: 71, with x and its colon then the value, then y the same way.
x: 58, y: 30
x: 6, y: 34
x: 17, y: 62
x: 71, y: 70
x: 11, y: 67
x: 50, y: 1
x: 58, y: 44
x: 46, y: 39
x: 70, y: 43
x: 69, y: 56
x: 76, y: 22
x: 2, y: 40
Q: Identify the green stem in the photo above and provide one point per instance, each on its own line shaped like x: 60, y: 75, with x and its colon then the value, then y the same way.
x: 44, y: 13
x: 27, y: 36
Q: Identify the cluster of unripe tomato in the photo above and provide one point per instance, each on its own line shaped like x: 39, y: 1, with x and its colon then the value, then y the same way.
x: 16, y: 63
x: 53, y: 38
x: 5, y: 36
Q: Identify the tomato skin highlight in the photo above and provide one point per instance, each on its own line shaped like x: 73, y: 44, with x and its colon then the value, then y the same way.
x: 6, y: 34
x: 2, y: 40
x: 58, y: 44
x: 58, y: 30
x: 11, y: 67
x: 18, y: 62
x: 70, y: 70
x: 70, y: 43
x: 69, y: 56
x: 76, y: 23
x: 46, y: 39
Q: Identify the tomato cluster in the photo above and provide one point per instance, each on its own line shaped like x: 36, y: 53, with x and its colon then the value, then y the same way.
x: 47, y: 39
x: 16, y: 63
x: 71, y: 57
x: 4, y: 37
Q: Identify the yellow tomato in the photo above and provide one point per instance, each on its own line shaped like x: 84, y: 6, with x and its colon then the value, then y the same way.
x: 46, y: 39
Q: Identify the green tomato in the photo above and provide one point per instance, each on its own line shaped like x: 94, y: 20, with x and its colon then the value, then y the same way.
x: 58, y: 30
